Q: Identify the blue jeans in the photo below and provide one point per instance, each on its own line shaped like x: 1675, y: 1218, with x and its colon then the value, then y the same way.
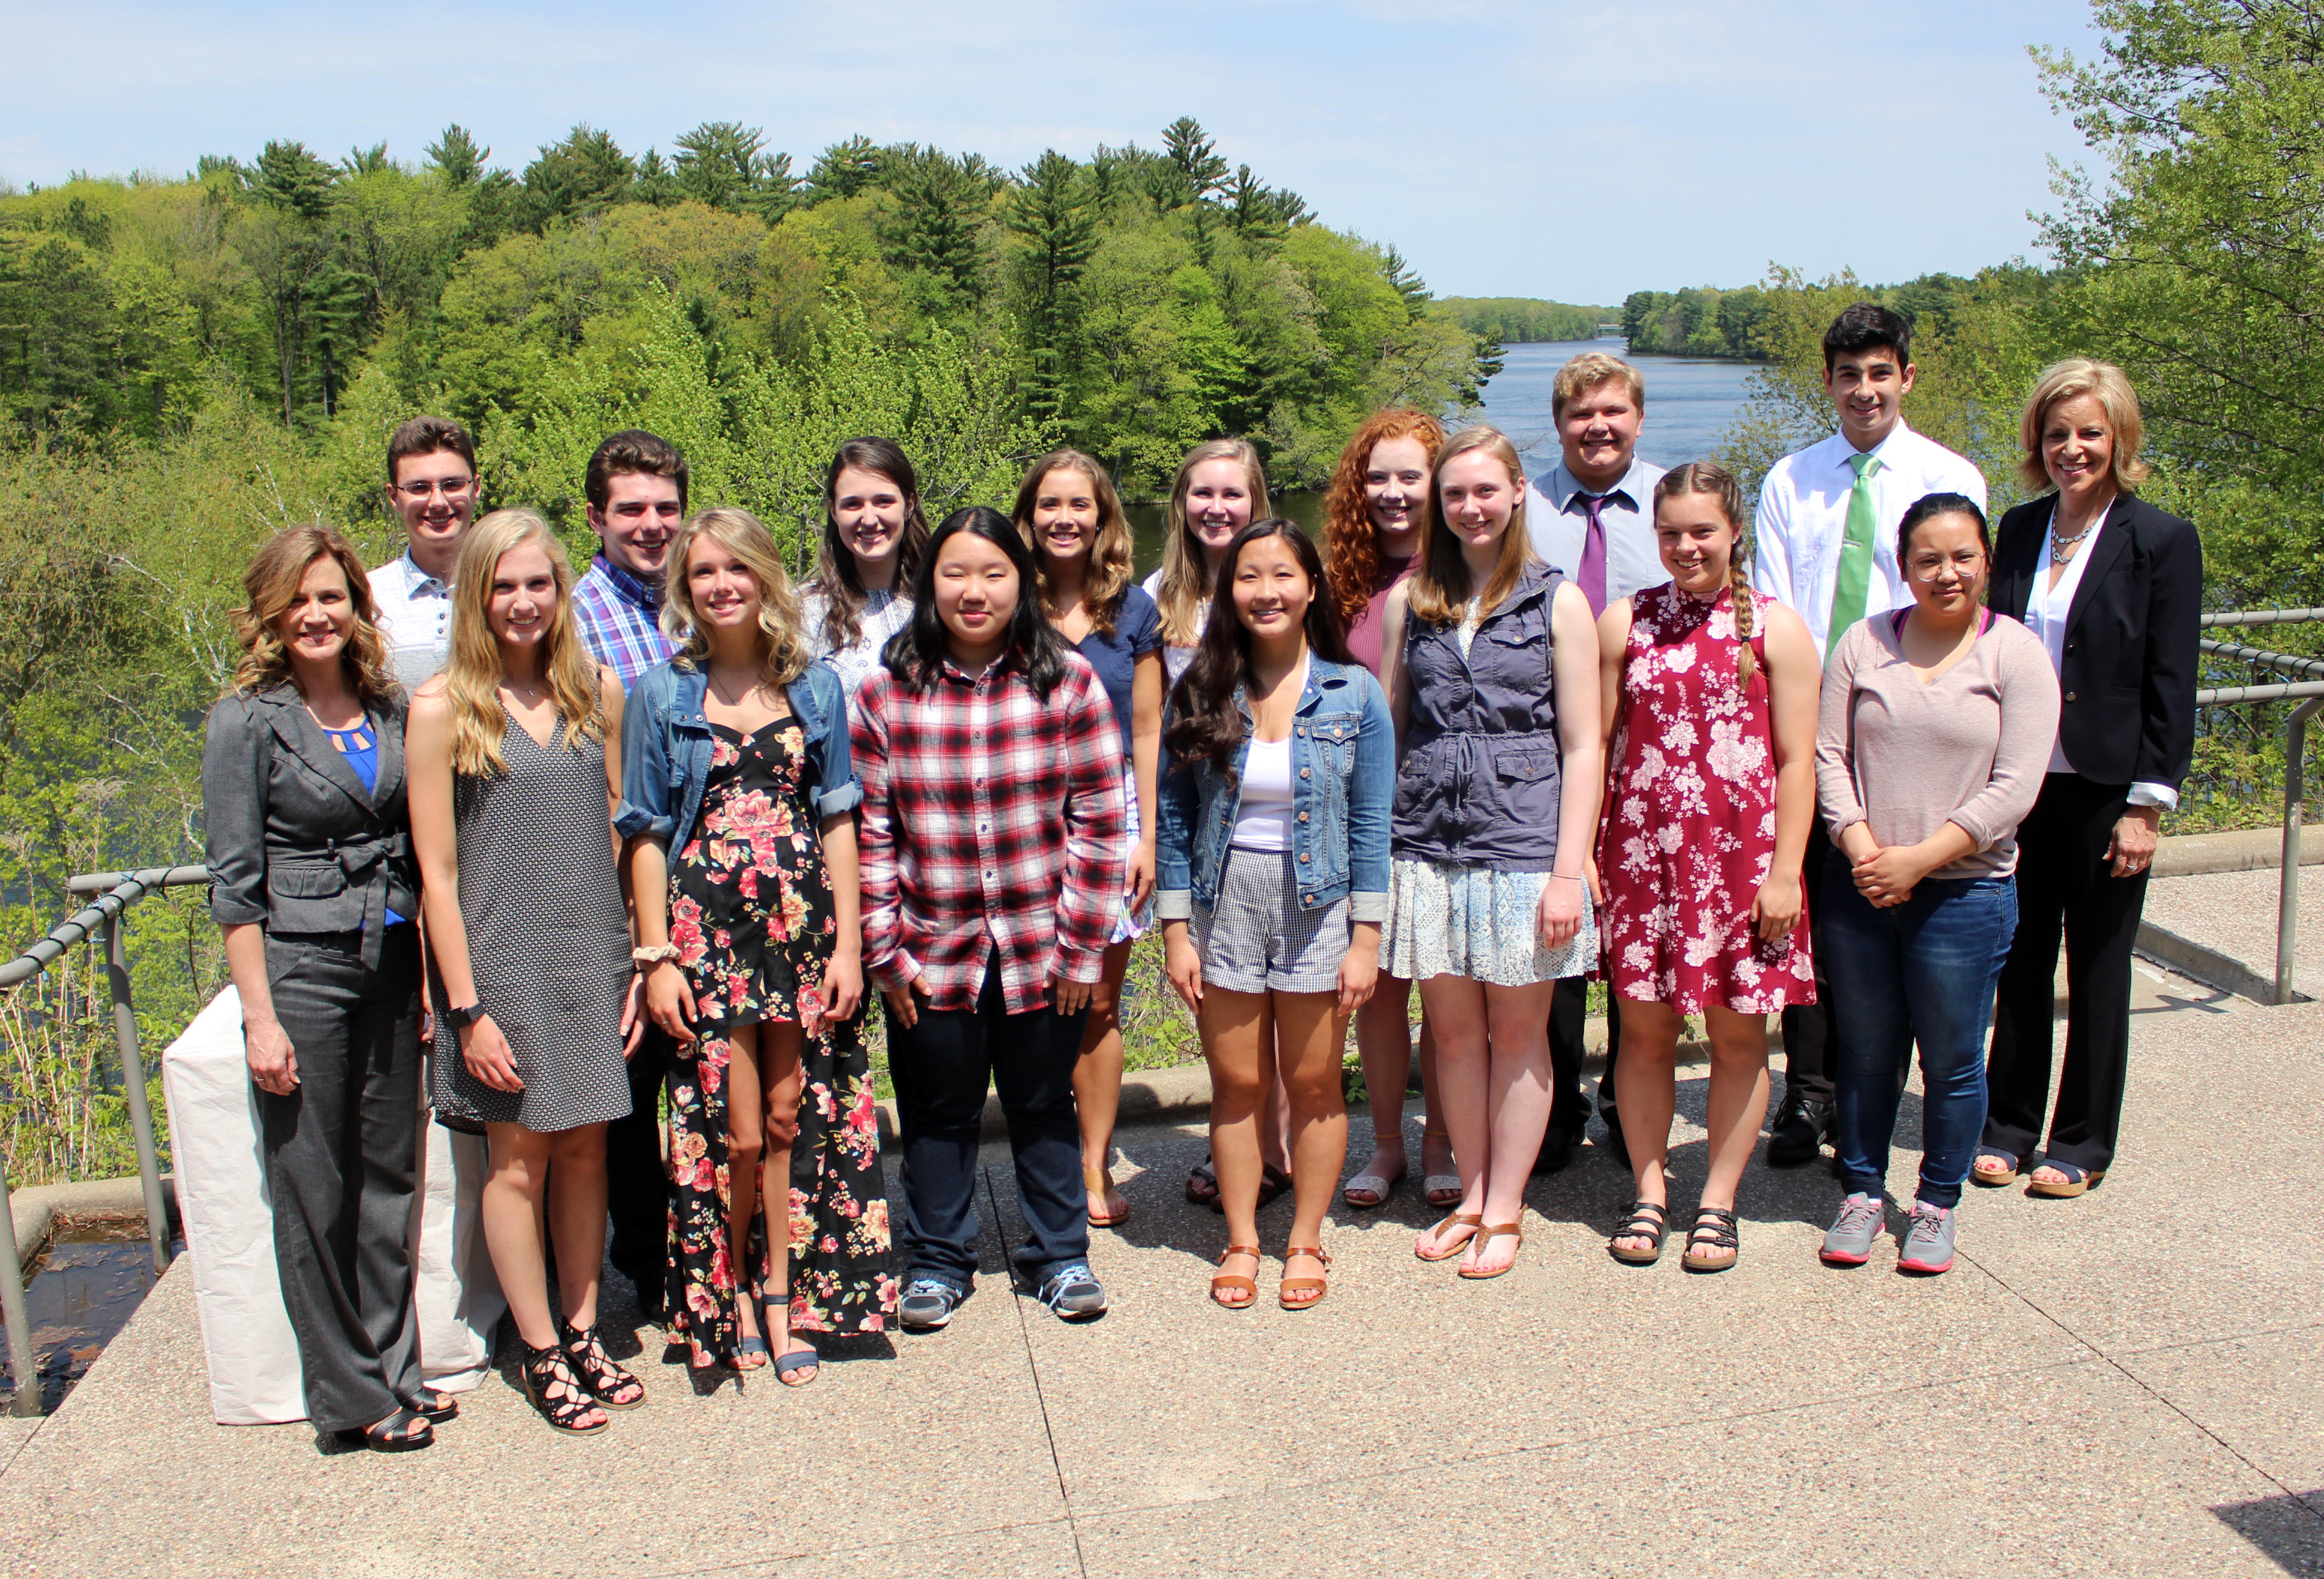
x: 1922, y: 970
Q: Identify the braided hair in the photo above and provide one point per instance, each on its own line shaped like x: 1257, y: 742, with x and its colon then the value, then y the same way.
x: 1711, y: 478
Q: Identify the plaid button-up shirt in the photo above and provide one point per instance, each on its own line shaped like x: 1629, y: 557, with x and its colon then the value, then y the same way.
x: 989, y: 820
x: 619, y: 618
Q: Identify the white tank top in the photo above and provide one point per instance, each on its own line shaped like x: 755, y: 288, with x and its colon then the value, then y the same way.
x: 1263, y: 815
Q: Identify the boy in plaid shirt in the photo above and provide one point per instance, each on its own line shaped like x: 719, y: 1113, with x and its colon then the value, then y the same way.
x: 991, y: 839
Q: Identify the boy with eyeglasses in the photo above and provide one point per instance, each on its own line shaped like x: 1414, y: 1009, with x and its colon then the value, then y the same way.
x: 431, y: 484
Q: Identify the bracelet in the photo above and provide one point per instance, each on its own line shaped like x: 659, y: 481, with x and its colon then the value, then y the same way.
x: 658, y: 953
x: 1570, y: 877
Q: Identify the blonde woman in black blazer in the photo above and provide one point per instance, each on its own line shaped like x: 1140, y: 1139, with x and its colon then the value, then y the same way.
x: 2114, y: 587
x: 310, y: 850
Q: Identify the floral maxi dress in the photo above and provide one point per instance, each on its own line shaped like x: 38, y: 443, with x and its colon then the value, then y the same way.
x: 1689, y: 830
x: 751, y: 913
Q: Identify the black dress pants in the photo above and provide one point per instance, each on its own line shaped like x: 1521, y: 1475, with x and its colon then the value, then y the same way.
x: 2064, y: 882
x: 1809, y: 1046
x: 637, y: 1182
x: 1569, y: 1012
x: 940, y: 1067
x: 341, y: 1153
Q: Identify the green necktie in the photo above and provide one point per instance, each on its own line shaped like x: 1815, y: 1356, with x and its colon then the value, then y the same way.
x: 1855, y: 578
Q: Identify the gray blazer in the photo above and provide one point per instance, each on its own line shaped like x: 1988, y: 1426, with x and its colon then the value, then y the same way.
x: 296, y: 843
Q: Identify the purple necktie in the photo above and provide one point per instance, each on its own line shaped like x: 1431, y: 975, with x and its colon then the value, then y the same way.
x: 1591, y: 577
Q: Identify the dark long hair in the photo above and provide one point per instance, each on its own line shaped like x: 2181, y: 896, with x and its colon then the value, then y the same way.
x: 835, y: 576
x: 915, y: 653
x: 1205, y: 722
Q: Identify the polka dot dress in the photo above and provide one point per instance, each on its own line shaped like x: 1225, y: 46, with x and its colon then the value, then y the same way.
x: 549, y: 941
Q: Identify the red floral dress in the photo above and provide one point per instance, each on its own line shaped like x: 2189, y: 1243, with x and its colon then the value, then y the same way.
x: 1689, y: 830
x: 751, y: 913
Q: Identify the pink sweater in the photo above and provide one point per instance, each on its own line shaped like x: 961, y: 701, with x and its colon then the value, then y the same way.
x: 1969, y: 748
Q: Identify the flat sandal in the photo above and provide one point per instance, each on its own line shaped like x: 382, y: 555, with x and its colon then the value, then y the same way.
x: 1485, y: 1236
x: 1649, y: 1219
x: 1235, y: 1282
x: 1715, y: 1228
x: 1314, y: 1288
x: 1474, y: 1220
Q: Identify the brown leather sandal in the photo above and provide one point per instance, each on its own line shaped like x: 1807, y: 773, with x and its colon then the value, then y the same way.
x: 1099, y: 1182
x: 1472, y: 1219
x: 1310, y: 1289
x: 1485, y: 1236
x: 1225, y: 1283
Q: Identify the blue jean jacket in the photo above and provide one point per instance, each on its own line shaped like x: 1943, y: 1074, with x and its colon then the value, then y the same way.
x: 1344, y: 776
x: 666, y: 745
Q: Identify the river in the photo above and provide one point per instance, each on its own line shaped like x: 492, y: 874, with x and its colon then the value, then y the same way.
x: 1689, y: 403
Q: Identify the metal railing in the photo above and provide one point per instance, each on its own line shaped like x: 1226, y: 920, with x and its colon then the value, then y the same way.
x: 2310, y: 693
x: 116, y: 892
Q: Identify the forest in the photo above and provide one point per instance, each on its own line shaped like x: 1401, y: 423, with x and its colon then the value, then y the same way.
x: 188, y: 364
x: 1516, y: 320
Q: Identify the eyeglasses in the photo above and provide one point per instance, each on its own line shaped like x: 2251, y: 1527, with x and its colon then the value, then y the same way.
x: 451, y: 488
x: 1929, y: 566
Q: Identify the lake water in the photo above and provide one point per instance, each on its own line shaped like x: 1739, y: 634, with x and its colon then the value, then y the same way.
x: 1689, y: 404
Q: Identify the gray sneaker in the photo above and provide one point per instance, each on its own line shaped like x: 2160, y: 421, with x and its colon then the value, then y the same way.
x: 1072, y: 1292
x: 1929, y: 1246
x: 928, y: 1304
x: 1849, y: 1242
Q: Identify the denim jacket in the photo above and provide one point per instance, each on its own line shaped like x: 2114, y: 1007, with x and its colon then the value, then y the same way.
x: 666, y: 746
x: 1343, y: 767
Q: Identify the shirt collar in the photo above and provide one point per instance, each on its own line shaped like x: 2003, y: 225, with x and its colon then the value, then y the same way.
x: 1001, y: 665
x: 1563, y: 485
x: 415, y: 579
x: 1887, y: 451
x: 638, y: 594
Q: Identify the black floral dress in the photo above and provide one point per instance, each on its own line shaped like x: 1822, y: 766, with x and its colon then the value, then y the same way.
x: 751, y: 913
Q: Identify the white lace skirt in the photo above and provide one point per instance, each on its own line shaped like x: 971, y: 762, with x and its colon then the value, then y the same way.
x: 1477, y: 923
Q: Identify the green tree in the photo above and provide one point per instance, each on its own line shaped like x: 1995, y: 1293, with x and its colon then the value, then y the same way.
x: 1058, y: 236
x: 586, y: 173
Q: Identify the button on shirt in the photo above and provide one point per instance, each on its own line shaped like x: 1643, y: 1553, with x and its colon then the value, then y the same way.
x: 619, y: 618
x: 414, y: 613
x: 1556, y: 520
x: 1802, y: 520
x: 993, y: 821
x: 2048, y: 612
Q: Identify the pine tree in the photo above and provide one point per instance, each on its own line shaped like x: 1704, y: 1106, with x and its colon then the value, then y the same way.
x: 1060, y: 236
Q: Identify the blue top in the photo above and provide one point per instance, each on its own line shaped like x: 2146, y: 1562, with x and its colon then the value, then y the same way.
x: 360, y: 747
x: 1136, y: 632
x: 665, y: 746
x: 1343, y: 773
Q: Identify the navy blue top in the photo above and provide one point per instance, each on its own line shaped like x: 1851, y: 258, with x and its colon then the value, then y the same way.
x: 1136, y: 632
x: 360, y: 747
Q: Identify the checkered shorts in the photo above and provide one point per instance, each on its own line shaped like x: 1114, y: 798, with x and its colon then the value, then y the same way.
x: 1257, y: 938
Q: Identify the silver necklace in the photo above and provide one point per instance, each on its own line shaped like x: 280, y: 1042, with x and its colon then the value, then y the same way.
x: 2064, y: 548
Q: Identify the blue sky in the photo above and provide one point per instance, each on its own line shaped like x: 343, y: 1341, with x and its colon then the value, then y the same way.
x: 1575, y: 151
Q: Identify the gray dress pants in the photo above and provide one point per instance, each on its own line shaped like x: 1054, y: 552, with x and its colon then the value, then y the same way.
x: 340, y: 1158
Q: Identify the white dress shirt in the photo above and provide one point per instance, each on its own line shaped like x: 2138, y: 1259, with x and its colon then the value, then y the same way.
x: 414, y: 610
x: 1802, y: 522
x: 1558, y: 526
x: 2047, y: 609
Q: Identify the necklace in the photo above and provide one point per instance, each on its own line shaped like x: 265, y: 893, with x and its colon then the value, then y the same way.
x: 723, y: 697
x: 2063, y: 549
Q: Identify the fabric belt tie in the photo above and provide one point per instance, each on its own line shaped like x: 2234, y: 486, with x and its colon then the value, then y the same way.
x: 359, y: 859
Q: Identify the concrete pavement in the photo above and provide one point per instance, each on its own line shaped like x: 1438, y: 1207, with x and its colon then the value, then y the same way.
x: 2126, y: 1383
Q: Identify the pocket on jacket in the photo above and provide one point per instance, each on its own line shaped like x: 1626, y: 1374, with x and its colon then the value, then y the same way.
x: 307, y: 882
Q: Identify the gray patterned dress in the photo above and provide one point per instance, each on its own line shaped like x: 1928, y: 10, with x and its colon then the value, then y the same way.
x: 549, y: 939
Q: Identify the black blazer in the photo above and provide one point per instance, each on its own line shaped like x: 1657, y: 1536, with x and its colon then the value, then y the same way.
x: 295, y: 841
x: 2127, y: 673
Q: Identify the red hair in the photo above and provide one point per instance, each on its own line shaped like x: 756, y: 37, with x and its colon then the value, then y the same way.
x: 1350, y: 542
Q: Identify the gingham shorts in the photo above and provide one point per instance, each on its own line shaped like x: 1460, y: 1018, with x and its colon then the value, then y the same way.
x: 1257, y: 939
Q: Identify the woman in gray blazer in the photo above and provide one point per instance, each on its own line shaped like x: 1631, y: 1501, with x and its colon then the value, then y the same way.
x: 310, y: 852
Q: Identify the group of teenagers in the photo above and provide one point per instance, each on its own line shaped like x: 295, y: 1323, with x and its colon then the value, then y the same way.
x: 665, y: 827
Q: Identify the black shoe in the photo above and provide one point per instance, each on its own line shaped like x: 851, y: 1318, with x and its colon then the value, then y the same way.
x: 1614, y: 1141
x: 1556, y: 1150
x: 1800, y: 1130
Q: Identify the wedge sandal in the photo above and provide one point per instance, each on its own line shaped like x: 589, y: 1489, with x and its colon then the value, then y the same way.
x: 2078, y: 1180
x: 2012, y: 1165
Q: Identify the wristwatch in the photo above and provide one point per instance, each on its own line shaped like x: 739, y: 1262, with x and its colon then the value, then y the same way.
x: 461, y: 1019
x: 640, y: 958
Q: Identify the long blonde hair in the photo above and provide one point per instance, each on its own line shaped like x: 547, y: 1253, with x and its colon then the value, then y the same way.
x: 272, y: 580
x: 472, y: 678
x: 1112, y: 555
x: 783, y: 651
x: 1185, y: 587
x: 1711, y: 479
x: 1440, y: 590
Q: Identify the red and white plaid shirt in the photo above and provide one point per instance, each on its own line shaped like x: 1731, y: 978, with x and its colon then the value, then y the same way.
x: 989, y: 815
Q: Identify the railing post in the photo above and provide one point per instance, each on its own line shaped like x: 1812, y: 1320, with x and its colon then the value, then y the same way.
x: 21, y: 1358
x: 2287, y: 903
x: 132, y: 1076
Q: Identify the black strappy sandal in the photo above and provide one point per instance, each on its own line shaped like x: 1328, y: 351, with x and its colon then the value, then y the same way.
x: 1715, y: 1228
x: 611, y: 1385
x: 547, y: 1373
x: 1649, y: 1219
x: 434, y: 1407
